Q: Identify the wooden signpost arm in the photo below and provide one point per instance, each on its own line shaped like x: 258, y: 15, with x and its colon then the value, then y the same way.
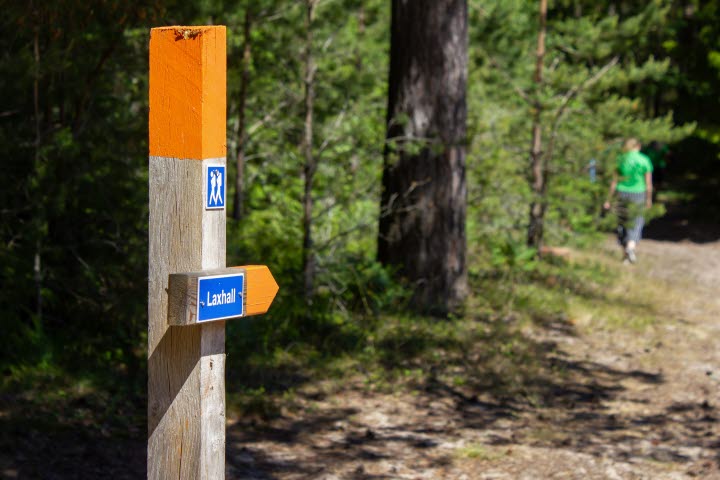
x: 257, y: 296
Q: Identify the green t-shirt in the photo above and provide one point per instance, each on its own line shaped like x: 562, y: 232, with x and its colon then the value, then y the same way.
x: 632, y: 167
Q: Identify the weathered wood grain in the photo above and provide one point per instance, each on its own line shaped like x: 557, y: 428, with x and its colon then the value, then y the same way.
x: 186, y: 394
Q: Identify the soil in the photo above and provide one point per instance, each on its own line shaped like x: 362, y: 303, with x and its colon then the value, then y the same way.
x: 632, y: 404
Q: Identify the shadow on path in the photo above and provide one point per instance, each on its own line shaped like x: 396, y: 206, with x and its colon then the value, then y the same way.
x: 533, y: 393
x: 33, y: 451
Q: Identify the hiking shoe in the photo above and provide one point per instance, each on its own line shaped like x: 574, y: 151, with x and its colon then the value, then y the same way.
x: 630, y: 253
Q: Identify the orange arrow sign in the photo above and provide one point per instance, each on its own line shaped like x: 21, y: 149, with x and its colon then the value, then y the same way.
x: 261, y: 289
x: 258, y: 292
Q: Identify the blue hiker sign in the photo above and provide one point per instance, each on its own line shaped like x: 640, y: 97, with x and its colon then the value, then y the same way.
x: 215, y: 187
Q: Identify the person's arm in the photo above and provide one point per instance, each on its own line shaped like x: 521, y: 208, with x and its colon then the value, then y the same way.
x: 613, y: 185
x: 648, y: 189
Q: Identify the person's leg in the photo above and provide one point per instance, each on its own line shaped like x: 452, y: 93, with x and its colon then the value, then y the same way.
x: 622, y: 217
x: 626, y: 212
x: 635, y: 233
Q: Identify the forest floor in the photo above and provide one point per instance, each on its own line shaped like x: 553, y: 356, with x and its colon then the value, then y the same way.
x: 589, y: 369
x: 620, y: 391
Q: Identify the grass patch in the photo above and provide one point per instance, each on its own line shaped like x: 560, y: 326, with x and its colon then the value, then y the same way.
x: 495, y: 347
x: 478, y: 451
x: 629, y: 300
x: 50, y: 399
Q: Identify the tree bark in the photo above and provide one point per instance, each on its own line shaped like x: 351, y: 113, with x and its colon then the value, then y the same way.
x: 361, y: 35
x: 537, y: 160
x: 238, y: 204
x: 307, y: 147
x: 37, y: 260
x: 423, y: 204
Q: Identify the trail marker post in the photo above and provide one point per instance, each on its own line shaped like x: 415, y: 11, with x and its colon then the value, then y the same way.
x: 190, y: 292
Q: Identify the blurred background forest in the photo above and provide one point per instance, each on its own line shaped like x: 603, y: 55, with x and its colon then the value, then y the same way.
x: 73, y: 143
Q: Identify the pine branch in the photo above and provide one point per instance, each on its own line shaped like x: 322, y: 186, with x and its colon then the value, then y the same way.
x: 336, y: 124
x: 571, y: 94
x: 521, y: 93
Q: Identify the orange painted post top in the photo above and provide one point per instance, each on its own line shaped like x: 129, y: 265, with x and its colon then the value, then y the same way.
x: 261, y: 289
x: 188, y: 92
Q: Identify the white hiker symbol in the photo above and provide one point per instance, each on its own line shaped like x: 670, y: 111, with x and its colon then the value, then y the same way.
x: 215, y: 196
x: 218, y: 193
x: 213, y: 183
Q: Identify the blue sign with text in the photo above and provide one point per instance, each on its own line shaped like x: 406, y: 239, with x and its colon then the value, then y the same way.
x: 215, y: 187
x: 220, y: 297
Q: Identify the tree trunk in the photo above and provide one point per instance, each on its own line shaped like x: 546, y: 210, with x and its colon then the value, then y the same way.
x: 37, y: 260
x: 422, y: 220
x: 238, y: 204
x: 307, y: 147
x: 537, y: 160
x: 361, y: 35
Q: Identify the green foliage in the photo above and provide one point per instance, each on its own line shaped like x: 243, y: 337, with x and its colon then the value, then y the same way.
x: 594, y: 66
x: 513, y: 255
x: 74, y: 193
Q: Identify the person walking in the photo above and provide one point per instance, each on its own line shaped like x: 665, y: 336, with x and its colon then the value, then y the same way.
x: 632, y: 179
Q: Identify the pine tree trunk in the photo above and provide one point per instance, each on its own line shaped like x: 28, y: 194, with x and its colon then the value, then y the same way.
x: 537, y: 160
x: 37, y: 260
x: 360, y: 37
x: 310, y: 166
x: 422, y: 220
x: 238, y: 204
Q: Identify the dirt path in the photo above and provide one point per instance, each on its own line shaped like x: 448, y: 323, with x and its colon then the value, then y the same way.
x: 630, y: 404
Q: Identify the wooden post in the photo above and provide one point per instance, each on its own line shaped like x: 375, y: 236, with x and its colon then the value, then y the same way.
x: 186, y: 364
